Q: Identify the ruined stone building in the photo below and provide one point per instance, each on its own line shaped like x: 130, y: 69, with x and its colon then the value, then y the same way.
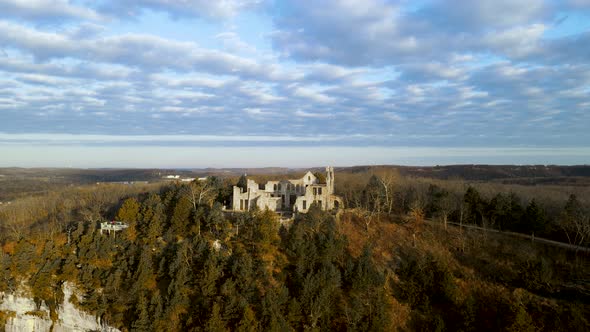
x: 288, y: 196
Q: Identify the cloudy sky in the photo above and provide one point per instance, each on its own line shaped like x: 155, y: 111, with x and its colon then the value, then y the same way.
x: 164, y: 83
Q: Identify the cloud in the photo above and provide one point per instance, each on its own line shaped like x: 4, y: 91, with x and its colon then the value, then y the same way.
x: 382, y: 33
x: 305, y: 114
x: 232, y: 42
x: 462, y: 16
x: 583, y: 4
x: 344, y: 32
x: 85, y: 70
x: 518, y: 42
x: 148, y: 52
x: 46, y: 10
x: 219, y: 9
x: 70, y: 139
x: 421, y: 72
x: 313, y: 95
x: 393, y: 116
x: 342, y: 72
x: 40, y: 79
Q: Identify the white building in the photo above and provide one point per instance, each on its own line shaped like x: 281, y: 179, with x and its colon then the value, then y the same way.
x: 112, y: 226
x: 288, y: 195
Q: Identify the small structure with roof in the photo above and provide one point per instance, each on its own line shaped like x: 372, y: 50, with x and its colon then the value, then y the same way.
x: 112, y: 226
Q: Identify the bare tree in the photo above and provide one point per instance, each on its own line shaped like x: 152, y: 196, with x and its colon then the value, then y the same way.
x: 575, y: 222
x: 388, y: 178
x: 577, y: 230
x: 199, y: 191
x: 350, y: 187
x: 446, y: 206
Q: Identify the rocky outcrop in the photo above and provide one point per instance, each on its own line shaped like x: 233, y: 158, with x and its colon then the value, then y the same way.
x: 24, y: 315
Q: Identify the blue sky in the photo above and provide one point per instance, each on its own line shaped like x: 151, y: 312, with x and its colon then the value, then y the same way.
x: 231, y: 83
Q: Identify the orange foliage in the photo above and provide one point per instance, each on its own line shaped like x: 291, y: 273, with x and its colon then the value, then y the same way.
x: 8, y: 247
x: 101, y: 262
x: 174, y: 315
x: 150, y: 283
x: 60, y: 240
x: 130, y: 233
x: 384, y: 236
x: 39, y: 247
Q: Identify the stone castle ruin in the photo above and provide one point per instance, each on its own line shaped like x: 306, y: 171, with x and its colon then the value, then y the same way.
x: 288, y: 196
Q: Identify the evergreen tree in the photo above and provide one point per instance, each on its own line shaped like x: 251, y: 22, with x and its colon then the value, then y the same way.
x: 129, y: 213
x: 179, y: 223
x: 145, y: 279
x: 243, y: 182
x: 498, y: 211
x: 534, y: 219
x: 248, y: 322
x: 215, y: 322
x: 143, y: 321
x: 475, y: 206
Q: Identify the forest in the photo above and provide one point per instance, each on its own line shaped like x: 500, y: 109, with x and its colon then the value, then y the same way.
x: 393, y: 259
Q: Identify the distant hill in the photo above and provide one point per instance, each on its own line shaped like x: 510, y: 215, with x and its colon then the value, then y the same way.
x: 513, y: 174
x: 24, y: 181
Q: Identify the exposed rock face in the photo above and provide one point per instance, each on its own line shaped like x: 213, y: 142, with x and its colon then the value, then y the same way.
x: 22, y: 321
x: 27, y: 317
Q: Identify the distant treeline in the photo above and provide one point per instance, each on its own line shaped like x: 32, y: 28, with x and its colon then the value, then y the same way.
x: 525, y: 174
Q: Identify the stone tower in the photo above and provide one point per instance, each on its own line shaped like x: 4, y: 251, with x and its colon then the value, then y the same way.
x: 330, y: 179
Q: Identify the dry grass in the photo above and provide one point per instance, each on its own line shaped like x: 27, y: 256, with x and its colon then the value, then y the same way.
x: 473, y: 256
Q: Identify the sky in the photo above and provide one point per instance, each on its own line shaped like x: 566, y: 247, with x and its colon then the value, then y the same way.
x: 293, y: 83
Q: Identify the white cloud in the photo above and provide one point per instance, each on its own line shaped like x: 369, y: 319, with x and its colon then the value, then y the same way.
x: 313, y: 95
x: 371, y: 67
x: 305, y: 114
x: 482, y: 15
x: 426, y: 71
x: 232, y: 43
x: 218, y: 9
x: 516, y: 42
x: 46, y: 10
x: 71, y: 138
x: 393, y: 116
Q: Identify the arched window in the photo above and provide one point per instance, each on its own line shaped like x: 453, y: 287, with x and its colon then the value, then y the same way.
x: 279, y: 186
x: 275, y: 187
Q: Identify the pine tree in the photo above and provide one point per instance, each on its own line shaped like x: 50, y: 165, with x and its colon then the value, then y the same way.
x: 143, y: 321
x: 248, y: 322
x: 129, y: 213
x: 179, y: 223
x: 534, y: 219
x: 475, y: 206
x: 215, y: 322
x: 144, y: 276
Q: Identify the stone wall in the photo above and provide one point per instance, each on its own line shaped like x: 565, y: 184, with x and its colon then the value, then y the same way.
x: 295, y: 195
